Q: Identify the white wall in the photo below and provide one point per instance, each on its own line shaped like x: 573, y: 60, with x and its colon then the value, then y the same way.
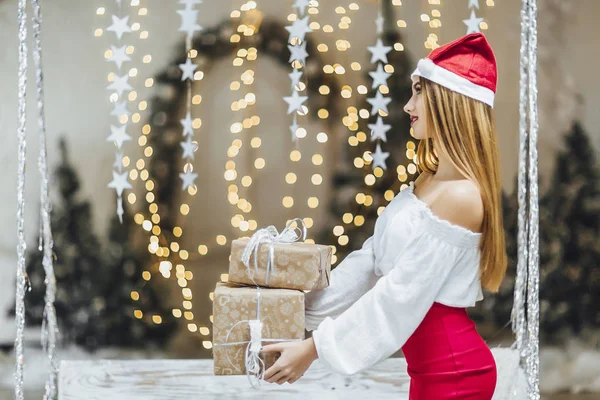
x: 77, y: 105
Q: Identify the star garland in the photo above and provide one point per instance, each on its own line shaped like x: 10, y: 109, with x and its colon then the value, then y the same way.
x: 298, y: 54
x: 379, y: 103
x: 189, y: 25
x: 118, y: 87
x: 473, y: 22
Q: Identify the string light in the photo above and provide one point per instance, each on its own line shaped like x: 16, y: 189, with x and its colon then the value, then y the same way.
x: 433, y: 22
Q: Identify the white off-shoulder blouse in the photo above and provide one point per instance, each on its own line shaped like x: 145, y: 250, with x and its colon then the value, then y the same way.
x: 379, y: 294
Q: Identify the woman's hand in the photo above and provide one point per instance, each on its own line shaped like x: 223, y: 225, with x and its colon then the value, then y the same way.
x: 295, y: 359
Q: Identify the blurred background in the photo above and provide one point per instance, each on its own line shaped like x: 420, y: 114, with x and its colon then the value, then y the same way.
x: 143, y: 287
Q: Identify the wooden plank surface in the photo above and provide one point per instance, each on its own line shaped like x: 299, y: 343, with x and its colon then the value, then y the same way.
x: 194, y: 379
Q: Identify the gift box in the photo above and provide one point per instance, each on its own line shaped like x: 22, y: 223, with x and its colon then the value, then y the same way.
x: 281, y: 312
x: 298, y: 265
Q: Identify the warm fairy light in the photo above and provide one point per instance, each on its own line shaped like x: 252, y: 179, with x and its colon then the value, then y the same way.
x: 338, y: 230
x: 290, y: 178
x: 287, y: 201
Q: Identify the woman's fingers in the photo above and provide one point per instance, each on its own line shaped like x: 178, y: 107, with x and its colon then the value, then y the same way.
x: 280, y: 376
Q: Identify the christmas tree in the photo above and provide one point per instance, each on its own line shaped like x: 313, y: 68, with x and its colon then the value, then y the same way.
x: 77, y: 256
x: 569, y: 253
x: 570, y: 278
x: 98, y: 288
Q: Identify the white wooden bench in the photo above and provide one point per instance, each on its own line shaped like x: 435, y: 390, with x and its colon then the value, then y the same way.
x: 194, y: 379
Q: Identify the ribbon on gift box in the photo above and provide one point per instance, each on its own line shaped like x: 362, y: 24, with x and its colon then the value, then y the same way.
x: 270, y: 236
x: 255, y: 367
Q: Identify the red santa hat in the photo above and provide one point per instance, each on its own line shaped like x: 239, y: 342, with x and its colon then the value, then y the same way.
x: 466, y: 65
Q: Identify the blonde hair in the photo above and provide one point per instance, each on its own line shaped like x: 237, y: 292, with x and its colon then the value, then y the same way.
x: 465, y: 130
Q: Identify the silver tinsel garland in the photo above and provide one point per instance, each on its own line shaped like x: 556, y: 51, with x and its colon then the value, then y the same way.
x: 525, y: 322
x: 21, y: 246
x: 49, y: 327
x: 533, y: 271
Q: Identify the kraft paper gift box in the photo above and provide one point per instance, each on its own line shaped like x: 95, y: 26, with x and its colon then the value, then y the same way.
x: 281, y: 312
x: 298, y: 265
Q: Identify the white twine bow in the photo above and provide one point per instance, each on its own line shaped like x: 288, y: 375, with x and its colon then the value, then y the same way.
x: 255, y: 366
x: 270, y: 236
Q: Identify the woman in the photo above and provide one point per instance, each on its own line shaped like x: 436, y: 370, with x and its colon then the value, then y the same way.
x: 434, y: 247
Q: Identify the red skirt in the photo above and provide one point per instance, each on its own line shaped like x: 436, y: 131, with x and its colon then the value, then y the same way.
x: 447, y: 359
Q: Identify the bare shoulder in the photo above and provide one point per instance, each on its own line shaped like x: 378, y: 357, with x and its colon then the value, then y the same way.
x: 461, y: 204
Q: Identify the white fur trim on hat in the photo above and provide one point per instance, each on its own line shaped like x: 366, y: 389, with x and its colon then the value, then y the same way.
x: 427, y: 69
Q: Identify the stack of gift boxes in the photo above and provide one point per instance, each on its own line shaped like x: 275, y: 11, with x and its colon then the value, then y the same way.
x: 263, y: 300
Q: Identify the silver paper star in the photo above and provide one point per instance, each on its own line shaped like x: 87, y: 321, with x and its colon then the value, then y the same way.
x: 294, y: 101
x: 379, y: 23
x: 188, y: 129
x: 379, y: 103
x: 119, y: 182
x: 189, y: 24
x: 379, y: 52
x: 472, y: 23
x: 295, y: 77
x: 294, y: 127
x: 190, y: 3
x: 189, y: 148
x: 474, y: 3
x: 379, y: 129
x: 118, y: 55
x: 118, y: 135
x: 301, y: 6
x: 188, y: 179
x: 119, y: 109
x: 299, y: 29
x: 120, y: 84
x: 379, y: 76
x: 187, y: 70
x: 379, y: 158
x: 298, y: 53
x: 119, y: 26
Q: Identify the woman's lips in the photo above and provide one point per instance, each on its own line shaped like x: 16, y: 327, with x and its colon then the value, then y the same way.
x: 413, y: 120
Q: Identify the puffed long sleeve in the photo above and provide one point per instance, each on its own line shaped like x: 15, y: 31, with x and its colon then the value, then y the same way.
x: 350, y: 280
x: 381, y: 321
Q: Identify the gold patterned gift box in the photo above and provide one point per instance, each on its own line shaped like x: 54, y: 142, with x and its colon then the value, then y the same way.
x: 280, y: 310
x: 298, y: 265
